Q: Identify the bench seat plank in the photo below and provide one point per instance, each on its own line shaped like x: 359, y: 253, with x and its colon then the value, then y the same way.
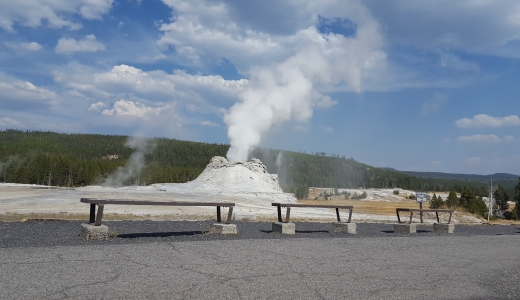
x: 289, y: 205
x: 419, y: 210
x: 100, y: 203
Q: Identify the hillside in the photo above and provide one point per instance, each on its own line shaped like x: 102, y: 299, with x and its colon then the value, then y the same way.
x: 50, y: 158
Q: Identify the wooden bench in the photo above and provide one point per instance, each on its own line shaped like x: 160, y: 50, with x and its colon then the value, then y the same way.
x: 289, y: 205
x: 420, y: 211
x: 100, y: 203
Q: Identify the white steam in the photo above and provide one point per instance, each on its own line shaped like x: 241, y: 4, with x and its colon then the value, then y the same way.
x: 134, y: 165
x: 288, y: 91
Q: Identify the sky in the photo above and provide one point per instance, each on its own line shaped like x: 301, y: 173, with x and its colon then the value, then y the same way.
x: 411, y: 85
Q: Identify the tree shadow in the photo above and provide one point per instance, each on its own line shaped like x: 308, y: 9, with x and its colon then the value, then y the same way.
x: 158, y: 234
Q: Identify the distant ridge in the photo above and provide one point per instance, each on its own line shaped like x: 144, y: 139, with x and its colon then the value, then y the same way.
x: 466, y: 177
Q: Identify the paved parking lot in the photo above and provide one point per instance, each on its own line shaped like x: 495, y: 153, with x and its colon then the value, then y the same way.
x: 313, y: 265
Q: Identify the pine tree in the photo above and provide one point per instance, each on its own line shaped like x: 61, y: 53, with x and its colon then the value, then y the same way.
x: 517, y: 200
x: 501, y: 199
x: 452, y: 200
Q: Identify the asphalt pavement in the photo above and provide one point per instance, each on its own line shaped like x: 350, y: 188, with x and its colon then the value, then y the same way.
x: 180, y: 260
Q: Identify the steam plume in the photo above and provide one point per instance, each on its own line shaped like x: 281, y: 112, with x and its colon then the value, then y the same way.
x: 288, y: 91
x: 134, y: 165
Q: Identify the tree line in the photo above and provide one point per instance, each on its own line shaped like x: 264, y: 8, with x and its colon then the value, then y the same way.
x: 475, y: 204
x: 57, y: 159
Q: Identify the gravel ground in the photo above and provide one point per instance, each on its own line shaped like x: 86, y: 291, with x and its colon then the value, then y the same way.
x: 66, y: 233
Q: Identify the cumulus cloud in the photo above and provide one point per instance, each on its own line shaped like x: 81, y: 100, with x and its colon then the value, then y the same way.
x: 482, y: 120
x: 55, y: 13
x: 98, y: 106
x: 209, y: 123
x: 32, y: 46
x: 133, y: 109
x: 204, y: 93
x: 480, y: 138
x: 87, y: 44
x: 25, y: 91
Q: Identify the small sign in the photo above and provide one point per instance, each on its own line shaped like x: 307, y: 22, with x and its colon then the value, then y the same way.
x: 421, y: 197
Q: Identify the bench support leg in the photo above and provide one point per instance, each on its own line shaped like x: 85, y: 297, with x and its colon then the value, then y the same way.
x: 411, y: 215
x: 288, y: 215
x: 350, y: 215
x: 449, y: 220
x: 279, y: 209
x: 219, y: 219
x: 437, y: 213
x: 337, y: 214
x: 398, y: 219
x: 99, y: 214
x: 92, y: 213
x: 229, y: 215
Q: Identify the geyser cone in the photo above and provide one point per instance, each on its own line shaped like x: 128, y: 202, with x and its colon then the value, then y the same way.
x: 248, y: 176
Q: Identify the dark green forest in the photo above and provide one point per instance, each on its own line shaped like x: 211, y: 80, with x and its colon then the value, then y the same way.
x: 56, y: 159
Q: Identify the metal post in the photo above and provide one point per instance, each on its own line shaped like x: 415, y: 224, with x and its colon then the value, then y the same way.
x: 420, y: 213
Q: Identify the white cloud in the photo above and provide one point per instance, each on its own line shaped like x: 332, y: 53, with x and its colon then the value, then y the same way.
x: 32, y: 46
x: 56, y: 13
x: 209, y: 123
x: 25, y: 91
x: 480, y: 138
x: 434, y: 104
x: 482, y: 120
x: 7, y: 122
x: 200, y: 92
x: 133, y: 109
x: 449, y: 60
x: 231, y: 30
x: 473, y: 161
x: 98, y: 106
x: 300, y: 128
x: 87, y: 44
x: 327, y: 128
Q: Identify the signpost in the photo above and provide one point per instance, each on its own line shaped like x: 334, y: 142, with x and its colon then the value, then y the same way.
x: 421, y: 197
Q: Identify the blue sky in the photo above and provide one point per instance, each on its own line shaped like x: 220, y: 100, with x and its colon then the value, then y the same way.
x: 412, y: 85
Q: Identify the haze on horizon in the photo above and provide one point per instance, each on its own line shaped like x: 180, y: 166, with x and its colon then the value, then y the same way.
x: 420, y: 86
